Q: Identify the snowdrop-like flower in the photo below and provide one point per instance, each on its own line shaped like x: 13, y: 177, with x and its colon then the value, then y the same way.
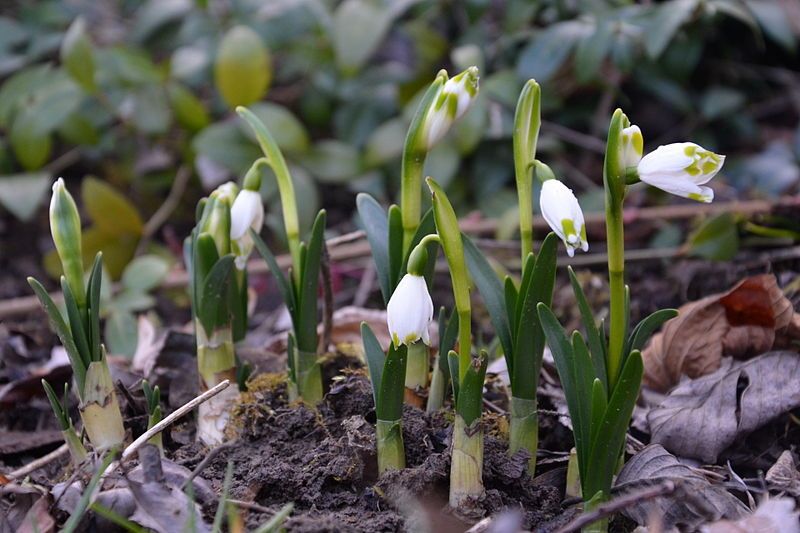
x: 681, y: 169
x: 632, y: 146
x: 247, y: 212
x: 562, y: 212
x: 450, y: 104
x: 410, y: 311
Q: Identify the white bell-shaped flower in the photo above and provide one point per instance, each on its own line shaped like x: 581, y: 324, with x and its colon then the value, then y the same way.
x: 632, y: 146
x: 562, y: 212
x: 681, y: 169
x: 455, y: 98
x: 410, y: 311
x: 247, y: 212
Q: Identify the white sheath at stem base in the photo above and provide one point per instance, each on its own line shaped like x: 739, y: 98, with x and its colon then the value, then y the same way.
x: 391, y: 453
x: 99, y: 408
x: 466, y: 467
x: 524, y: 434
x: 216, y: 362
x: 438, y: 387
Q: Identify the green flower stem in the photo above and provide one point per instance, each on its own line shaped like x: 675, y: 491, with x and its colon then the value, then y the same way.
x: 438, y: 387
x: 616, y: 280
x: 527, y: 121
x: 614, y: 179
x: 216, y: 357
x: 391, y: 453
x: 524, y: 429
x: 309, y: 378
x: 411, y: 170
x: 99, y: 408
x: 76, y: 449
x: 466, y: 470
x: 285, y: 185
x: 417, y: 371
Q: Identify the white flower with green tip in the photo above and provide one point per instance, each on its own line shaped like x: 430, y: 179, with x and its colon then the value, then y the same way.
x: 247, y: 212
x: 563, y: 214
x: 632, y: 146
x: 681, y: 169
x: 410, y: 311
x: 451, y: 103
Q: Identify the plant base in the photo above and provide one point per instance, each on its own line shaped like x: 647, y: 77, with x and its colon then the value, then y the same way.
x: 216, y: 361
x: 466, y: 467
x: 438, y: 389
x: 389, y: 440
x: 524, y: 433
x: 99, y: 408
x: 308, y: 387
x: 417, y: 370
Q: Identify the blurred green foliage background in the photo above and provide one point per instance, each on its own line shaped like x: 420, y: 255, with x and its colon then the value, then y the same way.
x: 137, y: 93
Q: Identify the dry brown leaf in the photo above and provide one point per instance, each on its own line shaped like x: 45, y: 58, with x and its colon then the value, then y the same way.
x: 752, y: 318
x: 772, y: 516
x: 38, y: 519
x: 697, y: 501
x: 702, y: 417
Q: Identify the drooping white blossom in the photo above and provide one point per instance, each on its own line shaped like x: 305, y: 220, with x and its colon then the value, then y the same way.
x: 681, y: 169
x: 563, y: 214
x: 454, y: 99
x: 410, y: 311
x: 247, y: 212
x: 632, y: 146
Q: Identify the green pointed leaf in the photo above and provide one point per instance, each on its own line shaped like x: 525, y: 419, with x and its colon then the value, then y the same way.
x: 645, y: 328
x: 122, y: 333
x: 306, y: 330
x: 376, y: 226
x: 396, y: 269
x: 205, y: 257
x: 598, y: 408
x: 145, y: 273
x: 392, y: 386
x: 62, y: 331
x: 448, y: 334
x: 76, y: 323
x: 592, y: 333
x: 77, y: 56
x: 470, y: 396
x: 272, y: 263
x: 511, y: 294
x: 243, y: 67
x: 529, y: 342
x: 491, y: 289
x: 290, y: 357
x: 212, y: 310
x: 93, y: 294
x: 373, y: 353
x: 606, y: 450
x: 22, y: 194
x: 59, y: 410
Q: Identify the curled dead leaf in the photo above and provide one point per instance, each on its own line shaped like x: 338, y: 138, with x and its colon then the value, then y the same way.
x: 776, y: 515
x: 750, y: 319
x: 695, y: 502
x: 702, y: 417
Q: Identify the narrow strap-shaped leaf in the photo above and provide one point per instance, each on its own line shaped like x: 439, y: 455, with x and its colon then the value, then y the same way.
x: 627, y: 327
x: 93, y: 310
x: 76, y: 323
x: 62, y: 331
x: 529, y: 342
x: 306, y: 329
x: 452, y: 363
x: 213, y: 311
x: 524, y: 289
x: 606, y: 449
x: 584, y: 379
x: 392, y: 387
x: 492, y: 292
x: 593, y: 337
x: 470, y: 396
x: 58, y: 408
x: 375, y: 357
x: 647, y: 326
x: 272, y: 263
x: 511, y: 294
x: 599, y: 405
x: 205, y: 256
x: 576, y: 395
x: 376, y: 226
x: 447, y: 337
x: 238, y: 305
x: 396, y: 269
x: 188, y: 264
x: 290, y: 357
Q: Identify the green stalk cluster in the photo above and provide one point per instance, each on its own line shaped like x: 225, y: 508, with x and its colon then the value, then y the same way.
x: 299, y: 292
x: 76, y: 449
x: 79, y: 332
x: 601, y: 377
x: 219, y: 304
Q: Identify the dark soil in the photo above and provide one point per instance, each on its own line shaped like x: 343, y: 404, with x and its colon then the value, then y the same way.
x: 324, y: 461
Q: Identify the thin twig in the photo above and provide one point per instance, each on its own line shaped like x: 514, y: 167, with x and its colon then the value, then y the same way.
x: 165, y: 210
x: 205, y: 462
x: 36, y: 464
x: 617, y: 504
x: 252, y: 506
